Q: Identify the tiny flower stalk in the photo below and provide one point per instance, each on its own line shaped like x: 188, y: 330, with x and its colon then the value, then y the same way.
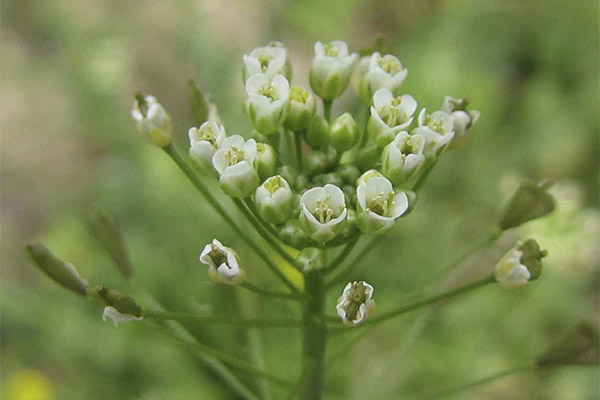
x: 519, y: 265
x: 356, y: 303
x: 223, y: 263
x: 152, y: 120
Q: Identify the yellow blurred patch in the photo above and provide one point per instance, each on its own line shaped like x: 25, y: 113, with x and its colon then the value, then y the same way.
x: 289, y: 271
x: 29, y: 385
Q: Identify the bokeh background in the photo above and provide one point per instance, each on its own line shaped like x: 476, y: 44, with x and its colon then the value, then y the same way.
x: 69, y: 69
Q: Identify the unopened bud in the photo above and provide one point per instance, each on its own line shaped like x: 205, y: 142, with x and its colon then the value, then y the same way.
x: 61, y: 272
x: 317, y: 133
x: 266, y: 160
x: 521, y: 264
x: 121, y: 302
x: 344, y: 132
x: 300, y: 109
x: 530, y: 201
x: 152, y: 120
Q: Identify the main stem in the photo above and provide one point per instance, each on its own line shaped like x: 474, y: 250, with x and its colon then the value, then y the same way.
x: 315, y: 337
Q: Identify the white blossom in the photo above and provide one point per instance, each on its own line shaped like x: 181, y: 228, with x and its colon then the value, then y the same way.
x: 234, y: 161
x: 269, y: 60
x: 463, y: 119
x: 322, y: 212
x: 204, y: 142
x: 267, y: 102
x: 331, y: 69
x: 356, y: 303
x: 378, y: 205
x: 402, y: 160
x: 437, y: 130
x: 389, y: 115
x: 152, y: 120
x: 510, y: 272
x: 117, y: 317
x: 383, y: 72
x: 274, y: 200
x: 223, y: 263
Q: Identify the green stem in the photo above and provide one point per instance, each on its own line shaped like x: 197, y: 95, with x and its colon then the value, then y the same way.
x: 490, y: 239
x: 479, y: 382
x: 233, y: 362
x: 269, y: 237
x: 258, y: 290
x: 327, y: 109
x: 364, y: 139
x: 193, y: 177
x: 343, y: 254
x: 185, y: 317
x: 421, y: 303
x: 255, y: 218
x: 343, y: 274
x: 314, y: 338
x: 298, y: 145
x: 421, y: 180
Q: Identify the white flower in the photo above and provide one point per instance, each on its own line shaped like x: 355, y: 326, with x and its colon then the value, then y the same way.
x: 403, y: 159
x: 331, y: 69
x: 234, y: 161
x: 267, y: 102
x: 204, y: 141
x: 274, y: 200
x: 389, y: 115
x: 117, y: 317
x: 223, y: 263
x: 463, y: 119
x: 301, y: 109
x: 323, y: 211
x: 356, y: 303
x: 152, y: 120
x: 269, y: 60
x: 510, y: 272
x: 437, y: 130
x: 378, y: 205
x: 383, y: 72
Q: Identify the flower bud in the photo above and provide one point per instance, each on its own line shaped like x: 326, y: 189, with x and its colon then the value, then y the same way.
x: 322, y: 212
x: 378, y: 205
x: 311, y: 259
x: 521, y: 264
x: 223, y: 263
x: 437, y: 130
x: 344, y: 132
x: 383, y: 72
x: 269, y: 60
x: 59, y: 271
x: 152, y: 120
x: 317, y: 133
x: 316, y: 162
x: 301, y: 109
x: 292, y: 234
x: 121, y: 302
x: 530, y: 201
x: 288, y: 173
x: 403, y: 160
x: 274, y: 200
x: 356, y: 303
x: 266, y: 160
x: 389, y: 116
x: 234, y: 161
x: 463, y: 119
x: 331, y: 69
x: 349, y: 173
x: 368, y: 157
x: 204, y: 142
x: 267, y: 102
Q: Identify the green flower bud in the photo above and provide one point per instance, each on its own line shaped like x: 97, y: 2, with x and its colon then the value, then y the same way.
x: 274, y: 200
x: 61, y: 272
x: 109, y: 235
x: 349, y: 173
x: 521, y: 264
x: 302, y: 182
x: 316, y: 162
x: 333, y: 178
x: 266, y: 160
x: 344, y: 132
x: 292, y: 234
x: 300, y: 109
x: 368, y: 157
x: 152, y: 120
x: 317, y: 133
x: 529, y: 202
x: 331, y: 69
x: 311, y: 259
x: 288, y: 173
x: 121, y: 302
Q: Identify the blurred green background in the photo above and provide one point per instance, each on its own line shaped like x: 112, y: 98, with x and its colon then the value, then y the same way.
x: 69, y: 69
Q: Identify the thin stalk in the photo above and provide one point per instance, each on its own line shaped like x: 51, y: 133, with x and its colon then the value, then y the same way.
x: 298, y: 145
x: 327, y: 109
x: 364, y: 138
x: 296, y: 387
x: 257, y: 219
x: 341, y: 275
x: 314, y: 339
x: 489, y: 240
x: 193, y: 177
x: 186, y: 317
x: 343, y: 254
x: 233, y: 362
x: 479, y: 382
x: 270, y: 238
x: 421, y: 303
x: 421, y: 180
x: 258, y: 290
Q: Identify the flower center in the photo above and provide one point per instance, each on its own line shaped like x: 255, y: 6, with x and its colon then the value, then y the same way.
x: 269, y: 92
x: 330, y: 50
x: 218, y: 257
x: 298, y: 94
x: 234, y: 156
x: 390, y: 65
x: 382, y: 204
x: 264, y: 59
x: 396, y: 115
x: 208, y: 135
x: 273, y: 184
x: 323, y: 212
x: 436, y: 125
x: 410, y: 145
x: 142, y: 104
